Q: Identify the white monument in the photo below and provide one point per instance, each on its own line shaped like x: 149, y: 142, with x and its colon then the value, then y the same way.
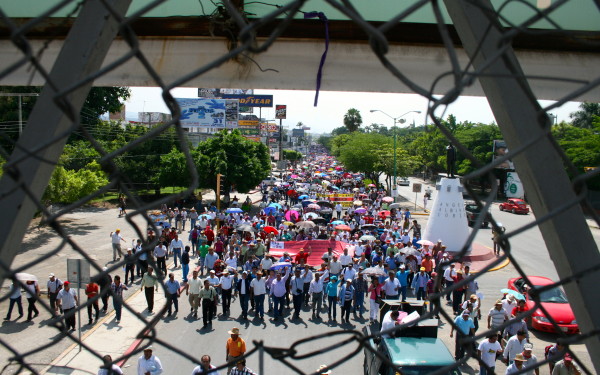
x: 447, y: 218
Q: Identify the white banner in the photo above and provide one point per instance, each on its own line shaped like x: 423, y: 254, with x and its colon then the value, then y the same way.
x: 277, y: 245
x: 514, y: 187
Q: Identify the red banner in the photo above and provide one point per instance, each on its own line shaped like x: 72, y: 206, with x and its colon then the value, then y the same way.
x: 318, y: 247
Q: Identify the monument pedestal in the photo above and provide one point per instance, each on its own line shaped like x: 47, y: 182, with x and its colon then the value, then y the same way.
x: 447, y: 218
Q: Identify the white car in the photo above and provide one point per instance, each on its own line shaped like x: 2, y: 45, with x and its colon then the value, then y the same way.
x: 403, y: 182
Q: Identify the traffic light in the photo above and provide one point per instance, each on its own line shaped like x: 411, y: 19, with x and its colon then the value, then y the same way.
x: 220, y: 184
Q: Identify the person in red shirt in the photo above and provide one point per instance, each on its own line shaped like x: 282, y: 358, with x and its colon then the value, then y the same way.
x: 210, y: 236
x: 520, y: 308
x: 302, y: 256
x: 92, y: 290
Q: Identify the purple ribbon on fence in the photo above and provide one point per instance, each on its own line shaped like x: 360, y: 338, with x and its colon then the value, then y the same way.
x: 323, y: 18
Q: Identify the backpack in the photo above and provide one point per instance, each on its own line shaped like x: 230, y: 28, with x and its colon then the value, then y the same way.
x: 547, y: 350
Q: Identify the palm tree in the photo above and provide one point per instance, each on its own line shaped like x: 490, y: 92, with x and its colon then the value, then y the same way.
x: 352, y: 120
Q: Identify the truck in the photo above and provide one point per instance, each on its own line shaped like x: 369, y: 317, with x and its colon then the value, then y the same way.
x: 415, y: 350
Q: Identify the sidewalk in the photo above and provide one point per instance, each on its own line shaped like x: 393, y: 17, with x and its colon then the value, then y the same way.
x: 108, y: 337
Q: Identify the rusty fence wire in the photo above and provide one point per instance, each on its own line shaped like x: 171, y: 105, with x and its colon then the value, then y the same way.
x: 244, y: 44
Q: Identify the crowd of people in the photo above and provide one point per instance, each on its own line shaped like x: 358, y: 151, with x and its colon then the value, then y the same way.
x: 230, y: 257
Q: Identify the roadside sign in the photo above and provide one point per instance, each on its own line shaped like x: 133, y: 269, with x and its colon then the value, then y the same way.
x: 78, y: 271
x: 417, y: 187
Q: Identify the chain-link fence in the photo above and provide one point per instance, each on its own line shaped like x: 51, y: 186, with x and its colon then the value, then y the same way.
x: 94, y: 24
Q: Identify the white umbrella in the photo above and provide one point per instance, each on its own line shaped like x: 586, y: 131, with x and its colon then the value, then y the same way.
x: 22, y: 276
x: 394, y: 205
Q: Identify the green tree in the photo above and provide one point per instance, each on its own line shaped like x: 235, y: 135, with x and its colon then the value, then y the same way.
x: 243, y: 162
x: 352, y: 120
x: 339, y: 130
x: 585, y: 116
x: 68, y: 186
x: 325, y: 141
x: 359, y: 153
x: 292, y: 156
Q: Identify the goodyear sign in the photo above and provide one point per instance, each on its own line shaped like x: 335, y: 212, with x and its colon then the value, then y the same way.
x: 252, y: 100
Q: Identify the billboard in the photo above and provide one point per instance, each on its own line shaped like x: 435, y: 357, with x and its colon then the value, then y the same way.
x: 500, y: 149
x: 208, y: 113
x: 298, y: 133
x: 280, y: 111
x: 252, y: 100
x: 218, y: 93
x: 513, y: 187
x: 269, y: 126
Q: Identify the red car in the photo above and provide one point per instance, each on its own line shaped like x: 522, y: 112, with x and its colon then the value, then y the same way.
x: 515, y: 205
x: 553, y: 300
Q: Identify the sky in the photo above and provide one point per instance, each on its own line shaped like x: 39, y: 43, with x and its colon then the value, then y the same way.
x: 332, y: 107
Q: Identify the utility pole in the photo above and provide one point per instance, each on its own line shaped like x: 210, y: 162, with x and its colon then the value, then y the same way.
x: 218, y: 198
x: 20, y: 96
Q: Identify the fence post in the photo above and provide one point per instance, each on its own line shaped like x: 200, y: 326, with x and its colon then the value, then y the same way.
x: 521, y: 119
x: 23, y: 183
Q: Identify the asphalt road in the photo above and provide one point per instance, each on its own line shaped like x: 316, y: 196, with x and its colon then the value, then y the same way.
x: 90, y: 229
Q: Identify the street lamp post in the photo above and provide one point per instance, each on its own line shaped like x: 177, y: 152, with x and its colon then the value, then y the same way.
x: 400, y: 120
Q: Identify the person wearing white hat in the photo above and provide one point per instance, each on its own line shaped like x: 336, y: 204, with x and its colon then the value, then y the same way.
x: 323, y: 370
x: 54, y: 286
x: 235, y: 348
x: 149, y: 364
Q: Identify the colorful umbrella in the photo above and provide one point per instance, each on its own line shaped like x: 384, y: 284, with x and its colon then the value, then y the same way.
x: 292, y: 215
x: 234, y: 210
x: 310, y: 215
x: 342, y: 227
x: 367, y: 238
x: 303, y: 196
x: 276, y: 205
x: 425, y: 242
x: 371, y: 185
x: 361, y: 211
x: 357, y: 203
x: 384, y: 213
x: 337, y: 222
x: 513, y: 292
x: 291, y: 192
x: 387, y: 199
x: 245, y: 228
x: 314, y: 206
x: 270, y: 210
x: 269, y: 229
x: 374, y: 271
x: 280, y: 265
x: 395, y: 205
x: 287, y: 223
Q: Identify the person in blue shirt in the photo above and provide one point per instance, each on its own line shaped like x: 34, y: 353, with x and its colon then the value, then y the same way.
x: 402, y: 277
x: 332, y: 296
x: 465, y: 328
x: 172, y: 293
x: 391, y: 262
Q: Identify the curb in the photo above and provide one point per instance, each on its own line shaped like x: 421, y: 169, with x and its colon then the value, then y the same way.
x: 498, y: 267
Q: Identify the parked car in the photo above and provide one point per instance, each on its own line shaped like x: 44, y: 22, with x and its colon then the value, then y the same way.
x: 553, y: 300
x: 472, y: 211
x: 403, y: 182
x: 515, y: 205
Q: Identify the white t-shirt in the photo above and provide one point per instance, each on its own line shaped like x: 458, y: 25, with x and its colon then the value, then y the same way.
x: 488, y: 352
x: 389, y: 287
x: 258, y: 286
x: 115, y: 370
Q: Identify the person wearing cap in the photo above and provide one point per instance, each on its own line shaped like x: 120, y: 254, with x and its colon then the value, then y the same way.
x: 487, y: 351
x: 419, y: 284
x: 464, y: 328
x: 530, y: 360
x: 516, y: 366
x: 115, y: 239
x: 92, y: 289
x: 332, y: 296
x: 234, y: 348
x: 345, y: 298
x: 514, y: 346
x: 475, y: 312
x: 226, y: 283
x: 323, y: 370
x: 149, y: 364
x: 149, y: 283
x: 402, y: 277
x: 117, y: 293
x: 496, y: 317
x: 54, y: 285
x: 241, y: 369
x: 67, y: 300
x: 243, y: 292
x: 172, y: 293
x: 566, y: 366
x: 129, y: 264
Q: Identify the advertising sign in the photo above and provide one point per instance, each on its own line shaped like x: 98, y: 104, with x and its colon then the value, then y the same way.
x: 513, y: 187
x: 271, y: 127
x: 417, y: 187
x: 218, y: 93
x: 209, y: 113
x: 247, y: 123
x: 249, y: 130
x: 252, y: 100
x: 280, y: 111
x: 500, y: 149
x: 298, y: 133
